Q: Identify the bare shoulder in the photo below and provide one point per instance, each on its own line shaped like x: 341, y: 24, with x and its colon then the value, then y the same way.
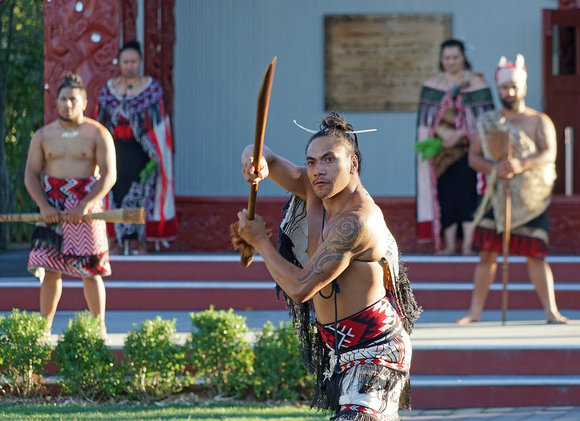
x: 38, y: 136
x: 47, y: 131
x: 92, y: 123
x: 95, y: 128
x: 371, y: 230
x: 537, y: 117
x: 368, y: 218
x: 376, y: 221
x: 545, y: 126
x: 545, y: 118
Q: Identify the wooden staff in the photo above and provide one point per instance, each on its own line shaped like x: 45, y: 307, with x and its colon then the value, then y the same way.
x: 261, y: 117
x: 506, y: 237
x: 127, y: 216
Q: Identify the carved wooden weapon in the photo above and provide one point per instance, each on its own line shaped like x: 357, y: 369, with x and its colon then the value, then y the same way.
x: 261, y: 116
x: 127, y: 216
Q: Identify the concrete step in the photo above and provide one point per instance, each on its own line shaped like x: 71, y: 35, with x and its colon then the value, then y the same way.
x: 195, y: 281
x: 525, y: 362
x: 451, y: 269
x: 494, y: 391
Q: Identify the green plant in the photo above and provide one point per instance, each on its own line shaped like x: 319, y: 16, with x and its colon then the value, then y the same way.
x: 219, y: 351
x: 21, y: 105
x: 154, y: 362
x: 84, y: 362
x: 278, y: 370
x: 24, y: 351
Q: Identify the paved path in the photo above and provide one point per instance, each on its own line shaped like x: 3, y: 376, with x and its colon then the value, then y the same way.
x: 435, y: 329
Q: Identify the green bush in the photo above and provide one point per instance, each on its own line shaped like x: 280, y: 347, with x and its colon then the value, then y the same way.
x: 219, y: 351
x: 24, y: 351
x: 154, y: 362
x: 278, y: 370
x: 84, y: 362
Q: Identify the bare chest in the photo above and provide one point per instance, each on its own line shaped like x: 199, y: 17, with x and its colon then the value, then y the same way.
x: 527, y: 124
x: 75, y: 148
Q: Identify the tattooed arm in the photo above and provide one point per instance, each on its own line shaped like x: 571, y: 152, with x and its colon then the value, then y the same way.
x: 345, y: 240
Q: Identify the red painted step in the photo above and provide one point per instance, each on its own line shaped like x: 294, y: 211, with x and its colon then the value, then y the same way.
x: 554, y: 361
x: 194, y: 282
x: 227, y: 267
x: 200, y: 296
x: 484, y: 392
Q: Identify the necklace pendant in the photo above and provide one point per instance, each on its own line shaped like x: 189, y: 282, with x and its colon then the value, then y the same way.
x: 69, y: 134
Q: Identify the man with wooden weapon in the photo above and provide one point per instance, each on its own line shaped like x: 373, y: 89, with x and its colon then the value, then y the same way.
x: 350, y: 273
x: 70, y: 168
x: 516, y: 148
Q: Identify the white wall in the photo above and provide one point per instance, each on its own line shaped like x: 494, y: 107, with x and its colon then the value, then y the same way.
x: 224, y: 46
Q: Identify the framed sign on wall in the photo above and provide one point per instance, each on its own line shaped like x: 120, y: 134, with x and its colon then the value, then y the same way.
x: 379, y: 62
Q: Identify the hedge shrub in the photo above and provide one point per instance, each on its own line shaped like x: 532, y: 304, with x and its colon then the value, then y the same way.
x: 154, y: 362
x: 219, y: 352
x: 86, y: 365
x: 24, y: 351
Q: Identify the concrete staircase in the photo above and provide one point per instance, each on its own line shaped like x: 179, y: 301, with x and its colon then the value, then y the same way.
x: 193, y: 282
x: 522, y: 363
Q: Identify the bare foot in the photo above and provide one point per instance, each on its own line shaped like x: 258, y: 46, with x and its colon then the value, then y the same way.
x: 468, y: 318
x: 556, y: 319
x: 114, y: 247
x: 104, y: 335
x: 115, y: 250
x: 445, y: 252
x: 142, y: 249
x: 46, y: 338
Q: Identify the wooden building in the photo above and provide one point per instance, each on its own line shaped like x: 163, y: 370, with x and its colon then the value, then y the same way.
x: 210, y: 57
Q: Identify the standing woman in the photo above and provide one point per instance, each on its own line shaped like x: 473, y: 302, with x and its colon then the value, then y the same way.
x: 447, y: 187
x: 131, y: 106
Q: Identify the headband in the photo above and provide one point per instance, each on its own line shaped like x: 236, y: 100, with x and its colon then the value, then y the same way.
x: 349, y: 131
x: 508, y: 71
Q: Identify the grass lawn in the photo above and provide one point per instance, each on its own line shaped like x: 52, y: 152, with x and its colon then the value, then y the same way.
x: 74, y: 411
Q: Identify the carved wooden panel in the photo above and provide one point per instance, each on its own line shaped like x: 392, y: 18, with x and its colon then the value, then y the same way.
x: 159, y: 43
x: 81, y: 36
x: 129, y: 12
x: 379, y: 62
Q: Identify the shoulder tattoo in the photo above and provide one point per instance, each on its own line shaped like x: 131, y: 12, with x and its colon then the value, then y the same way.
x: 344, y: 236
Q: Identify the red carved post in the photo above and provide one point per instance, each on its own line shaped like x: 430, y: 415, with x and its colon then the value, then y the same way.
x: 159, y: 43
x: 81, y: 37
x: 129, y: 10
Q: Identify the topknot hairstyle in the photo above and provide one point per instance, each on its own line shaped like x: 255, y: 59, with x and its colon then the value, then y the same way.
x: 72, y: 80
x: 131, y: 45
x: 334, y: 124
